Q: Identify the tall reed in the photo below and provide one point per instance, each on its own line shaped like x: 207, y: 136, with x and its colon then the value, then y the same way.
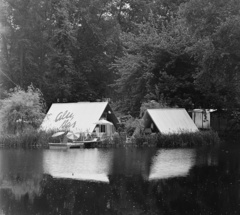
x: 33, y: 138
x: 201, y: 138
x: 26, y: 139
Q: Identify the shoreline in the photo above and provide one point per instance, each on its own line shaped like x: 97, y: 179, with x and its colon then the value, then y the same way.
x: 41, y: 140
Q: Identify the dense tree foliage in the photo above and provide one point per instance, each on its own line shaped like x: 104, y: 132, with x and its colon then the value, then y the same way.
x: 193, y: 61
x: 182, y: 52
x: 215, y: 28
x: 57, y: 45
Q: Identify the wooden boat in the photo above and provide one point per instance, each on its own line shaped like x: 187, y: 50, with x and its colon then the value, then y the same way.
x: 58, y: 145
x: 64, y: 142
x: 67, y: 145
x: 89, y: 143
x: 76, y: 145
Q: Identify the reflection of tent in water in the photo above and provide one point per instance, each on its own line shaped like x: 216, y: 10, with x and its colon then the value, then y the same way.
x: 86, y: 165
x: 172, y: 163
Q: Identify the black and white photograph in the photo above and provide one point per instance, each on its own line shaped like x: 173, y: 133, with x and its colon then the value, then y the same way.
x: 119, y: 107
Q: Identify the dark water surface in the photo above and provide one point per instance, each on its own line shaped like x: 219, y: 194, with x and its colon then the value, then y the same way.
x: 120, y: 181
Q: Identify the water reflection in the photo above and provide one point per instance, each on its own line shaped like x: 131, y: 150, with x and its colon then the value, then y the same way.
x: 25, y: 162
x: 172, y: 163
x: 86, y: 164
x: 21, y: 172
x: 128, y: 161
x: 139, y: 181
x: 20, y: 186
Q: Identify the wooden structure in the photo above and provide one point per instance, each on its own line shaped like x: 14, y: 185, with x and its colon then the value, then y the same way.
x: 201, y: 117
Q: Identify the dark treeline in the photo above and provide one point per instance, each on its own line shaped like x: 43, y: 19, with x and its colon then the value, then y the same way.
x: 181, y: 53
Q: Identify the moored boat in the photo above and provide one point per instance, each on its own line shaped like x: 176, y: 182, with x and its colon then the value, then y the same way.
x: 67, y: 145
x: 72, y: 140
x: 89, y: 143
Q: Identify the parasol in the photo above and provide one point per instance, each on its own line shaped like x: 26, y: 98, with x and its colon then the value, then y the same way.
x: 58, y: 134
x: 72, y: 136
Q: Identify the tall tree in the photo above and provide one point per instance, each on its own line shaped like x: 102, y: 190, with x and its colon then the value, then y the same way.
x: 63, y: 47
x: 156, y: 66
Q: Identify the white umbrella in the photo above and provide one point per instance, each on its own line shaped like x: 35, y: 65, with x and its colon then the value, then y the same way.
x: 58, y: 134
x: 72, y: 136
x: 103, y: 122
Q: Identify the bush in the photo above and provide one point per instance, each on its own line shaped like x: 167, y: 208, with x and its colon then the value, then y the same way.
x: 21, y: 110
x: 132, y: 125
x: 117, y: 140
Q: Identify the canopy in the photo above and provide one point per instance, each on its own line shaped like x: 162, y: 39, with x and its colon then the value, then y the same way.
x: 103, y: 122
x: 58, y: 134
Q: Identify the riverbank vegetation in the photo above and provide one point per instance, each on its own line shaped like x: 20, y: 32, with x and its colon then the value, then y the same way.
x: 35, y: 139
x: 200, y: 138
x: 26, y: 139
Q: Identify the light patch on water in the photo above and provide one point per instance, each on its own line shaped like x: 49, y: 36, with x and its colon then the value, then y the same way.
x: 172, y: 163
x: 89, y: 165
x: 82, y: 176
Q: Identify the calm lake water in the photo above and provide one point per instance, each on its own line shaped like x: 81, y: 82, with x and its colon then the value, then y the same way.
x: 120, y: 181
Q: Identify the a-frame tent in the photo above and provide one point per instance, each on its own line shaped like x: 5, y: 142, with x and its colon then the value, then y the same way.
x: 77, y: 117
x: 169, y: 120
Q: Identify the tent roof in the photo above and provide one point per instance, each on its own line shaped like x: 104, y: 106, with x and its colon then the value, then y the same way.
x: 77, y: 117
x: 203, y: 110
x: 170, y: 120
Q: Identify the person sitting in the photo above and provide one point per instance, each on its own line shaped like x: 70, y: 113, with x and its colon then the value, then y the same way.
x: 88, y: 137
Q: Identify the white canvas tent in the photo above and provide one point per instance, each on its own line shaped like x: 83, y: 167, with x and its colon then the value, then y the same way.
x: 169, y: 120
x: 79, y: 117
